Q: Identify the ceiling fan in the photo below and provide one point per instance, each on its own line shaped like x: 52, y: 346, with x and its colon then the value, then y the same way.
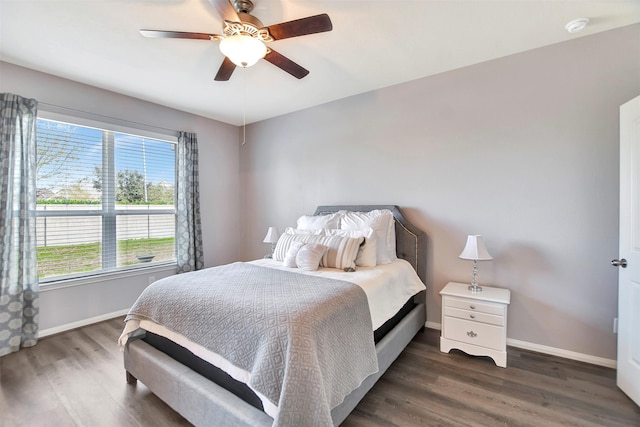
x: 244, y: 37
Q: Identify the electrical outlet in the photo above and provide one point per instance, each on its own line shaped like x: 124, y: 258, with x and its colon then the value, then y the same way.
x: 152, y: 279
x: 615, y: 325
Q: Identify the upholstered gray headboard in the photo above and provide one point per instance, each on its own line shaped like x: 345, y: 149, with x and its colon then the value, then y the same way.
x: 411, y: 242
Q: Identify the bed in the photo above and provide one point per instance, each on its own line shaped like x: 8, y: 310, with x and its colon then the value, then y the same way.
x: 185, y: 381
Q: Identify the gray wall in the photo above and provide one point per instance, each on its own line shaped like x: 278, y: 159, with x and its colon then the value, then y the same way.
x: 523, y: 150
x: 219, y: 158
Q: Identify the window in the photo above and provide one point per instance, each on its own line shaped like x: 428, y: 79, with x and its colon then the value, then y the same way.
x: 105, y: 200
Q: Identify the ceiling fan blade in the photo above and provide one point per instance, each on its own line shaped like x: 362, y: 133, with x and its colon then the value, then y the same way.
x: 226, y: 10
x: 301, y: 27
x: 225, y: 71
x: 160, y: 34
x: 286, y: 64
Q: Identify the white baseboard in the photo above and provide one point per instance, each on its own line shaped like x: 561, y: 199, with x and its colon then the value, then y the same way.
x: 567, y: 354
x: 553, y: 351
x: 433, y: 325
x: 84, y: 322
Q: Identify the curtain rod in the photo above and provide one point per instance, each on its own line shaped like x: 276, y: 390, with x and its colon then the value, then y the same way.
x: 88, y: 115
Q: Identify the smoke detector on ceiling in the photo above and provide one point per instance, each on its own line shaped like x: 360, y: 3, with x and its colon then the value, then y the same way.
x: 577, y: 25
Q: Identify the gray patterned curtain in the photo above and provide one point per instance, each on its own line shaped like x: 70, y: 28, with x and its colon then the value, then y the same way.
x: 188, y: 227
x: 18, y: 259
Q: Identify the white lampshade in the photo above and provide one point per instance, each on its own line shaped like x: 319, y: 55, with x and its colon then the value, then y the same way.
x: 243, y: 50
x: 475, y: 249
x: 272, y: 235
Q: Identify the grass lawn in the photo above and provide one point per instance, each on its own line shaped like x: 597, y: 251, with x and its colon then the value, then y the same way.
x: 61, y: 260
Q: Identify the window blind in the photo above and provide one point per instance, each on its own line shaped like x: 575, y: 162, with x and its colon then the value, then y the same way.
x: 105, y: 200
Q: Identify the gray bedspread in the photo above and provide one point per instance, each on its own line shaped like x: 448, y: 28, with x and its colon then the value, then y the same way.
x: 306, y: 341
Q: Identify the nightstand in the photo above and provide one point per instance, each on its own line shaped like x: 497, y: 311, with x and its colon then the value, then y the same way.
x: 475, y: 322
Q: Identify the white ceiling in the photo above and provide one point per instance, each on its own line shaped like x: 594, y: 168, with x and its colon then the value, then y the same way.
x: 373, y: 44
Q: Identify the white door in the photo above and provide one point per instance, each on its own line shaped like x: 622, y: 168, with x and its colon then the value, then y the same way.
x: 629, y: 276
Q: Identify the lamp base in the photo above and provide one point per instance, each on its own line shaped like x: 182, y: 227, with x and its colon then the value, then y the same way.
x: 475, y: 288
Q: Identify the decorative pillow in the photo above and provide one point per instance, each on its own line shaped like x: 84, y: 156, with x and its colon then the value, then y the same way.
x: 341, y: 251
x: 284, y: 243
x: 316, y: 222
x: 382, y: 222
x: 367, y: 253
x: 309, y: 256
x: 290, y: 258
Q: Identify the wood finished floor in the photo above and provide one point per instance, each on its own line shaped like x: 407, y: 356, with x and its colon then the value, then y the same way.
x: 76, y: 379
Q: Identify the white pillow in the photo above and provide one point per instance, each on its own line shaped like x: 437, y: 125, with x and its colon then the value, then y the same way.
x: 309, y: 256
x: 341, y: 251
x: 367, y: 253
x: 316, y: 222
x: 291, y: 230
x: 382, y: 222
x: 290, y: 258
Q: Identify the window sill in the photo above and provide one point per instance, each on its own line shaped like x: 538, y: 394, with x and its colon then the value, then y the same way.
x: 114, y: 275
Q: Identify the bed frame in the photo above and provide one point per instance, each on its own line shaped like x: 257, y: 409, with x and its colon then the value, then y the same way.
x: 202, y: 402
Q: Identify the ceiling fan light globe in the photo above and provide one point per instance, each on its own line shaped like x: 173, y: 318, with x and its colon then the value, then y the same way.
x: 243, y: 50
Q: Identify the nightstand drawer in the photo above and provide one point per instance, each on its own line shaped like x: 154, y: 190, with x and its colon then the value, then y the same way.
x: 470, y: 332
x: 482, y: 307
x: 474, y: 316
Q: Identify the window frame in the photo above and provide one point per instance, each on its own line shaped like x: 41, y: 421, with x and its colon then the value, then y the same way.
x: 108, y: 212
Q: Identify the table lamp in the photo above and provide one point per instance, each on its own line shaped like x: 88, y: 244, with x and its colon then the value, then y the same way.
x: 271, y: 237
x: 475, y: 251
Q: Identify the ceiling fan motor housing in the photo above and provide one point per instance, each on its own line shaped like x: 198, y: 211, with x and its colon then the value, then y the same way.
x: 250, y: 19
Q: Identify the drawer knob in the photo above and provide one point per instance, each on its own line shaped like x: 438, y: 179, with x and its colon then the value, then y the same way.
x: 472, y: 316
x: 472, y: 334
x: 472, y: 307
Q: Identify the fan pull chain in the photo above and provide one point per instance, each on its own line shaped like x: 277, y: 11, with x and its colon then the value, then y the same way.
x: 244, y: 107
